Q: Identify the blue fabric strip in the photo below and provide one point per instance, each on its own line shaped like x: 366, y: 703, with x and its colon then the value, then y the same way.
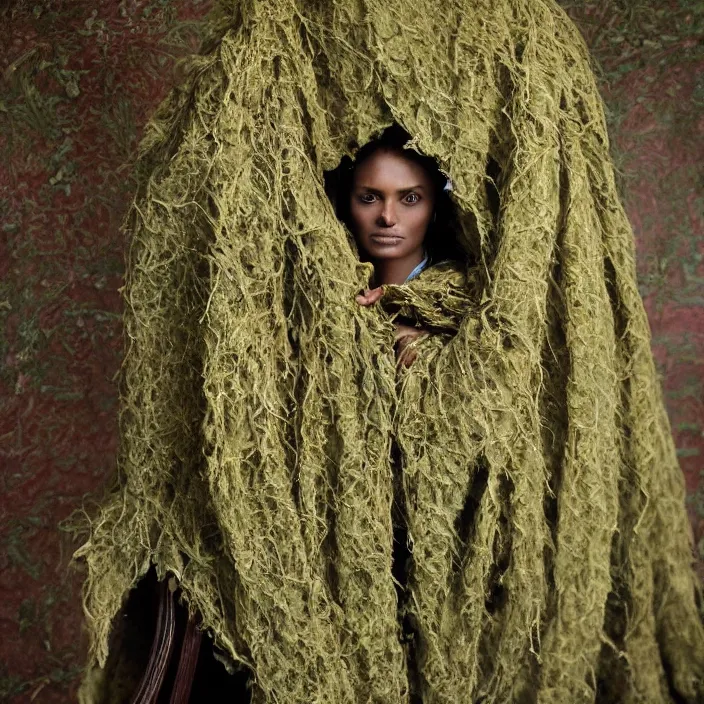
x: 418, y: 269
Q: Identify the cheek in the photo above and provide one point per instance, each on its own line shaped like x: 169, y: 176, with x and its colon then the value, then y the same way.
x: 360, y: 216
x: 419, y: 219
x: 354, y: 215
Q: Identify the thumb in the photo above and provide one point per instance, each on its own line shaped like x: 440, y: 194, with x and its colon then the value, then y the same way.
x: 370, y: 296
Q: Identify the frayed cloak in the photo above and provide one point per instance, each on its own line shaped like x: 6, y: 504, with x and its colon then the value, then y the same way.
x: 551, y: 557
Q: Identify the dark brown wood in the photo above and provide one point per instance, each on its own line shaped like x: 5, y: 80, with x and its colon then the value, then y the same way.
x: 187, y: 663
x: 161, y: 649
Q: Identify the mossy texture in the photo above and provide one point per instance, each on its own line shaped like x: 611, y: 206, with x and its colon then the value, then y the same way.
x: 551, y: 555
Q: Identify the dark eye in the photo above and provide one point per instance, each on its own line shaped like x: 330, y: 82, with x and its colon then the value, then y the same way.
x: 412, y: 198
x: 367, y: 198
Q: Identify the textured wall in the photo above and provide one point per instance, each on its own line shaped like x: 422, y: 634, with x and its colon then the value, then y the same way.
x: 77, y: 80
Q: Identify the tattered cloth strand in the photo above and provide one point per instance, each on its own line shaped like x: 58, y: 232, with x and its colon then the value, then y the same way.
x: 551, y: 554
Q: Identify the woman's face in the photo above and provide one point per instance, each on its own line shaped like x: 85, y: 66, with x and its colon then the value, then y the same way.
x: 391, y: 205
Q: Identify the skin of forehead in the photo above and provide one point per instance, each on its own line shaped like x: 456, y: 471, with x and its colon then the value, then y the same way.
x: 386, y: 168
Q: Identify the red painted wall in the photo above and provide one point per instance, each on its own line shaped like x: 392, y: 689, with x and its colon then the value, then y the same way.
x: 78, y: 79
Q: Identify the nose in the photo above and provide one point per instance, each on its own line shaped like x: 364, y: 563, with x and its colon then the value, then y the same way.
x: 387, y: 216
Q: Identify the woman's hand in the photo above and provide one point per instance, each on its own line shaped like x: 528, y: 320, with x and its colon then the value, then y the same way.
x: 404, y: 335
x: 370, y: 296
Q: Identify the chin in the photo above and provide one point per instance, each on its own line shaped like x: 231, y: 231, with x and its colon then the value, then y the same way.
x: 385, y: 253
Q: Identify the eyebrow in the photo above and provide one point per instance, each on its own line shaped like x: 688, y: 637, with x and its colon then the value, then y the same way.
x: 418, y: 187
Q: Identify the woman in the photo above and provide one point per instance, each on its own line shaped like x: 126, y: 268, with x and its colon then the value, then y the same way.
x: 395, y: 202
x: 264, y: 412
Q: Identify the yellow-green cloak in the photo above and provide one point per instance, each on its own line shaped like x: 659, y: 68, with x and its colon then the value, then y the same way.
x: 260, y: 403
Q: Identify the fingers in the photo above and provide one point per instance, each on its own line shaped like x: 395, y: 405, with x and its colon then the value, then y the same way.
x: 370, y: 296
x: 404, y: 336
x: 407, y: 331
x: 405, y: 356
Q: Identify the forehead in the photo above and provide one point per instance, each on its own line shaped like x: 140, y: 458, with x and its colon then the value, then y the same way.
x: 390, y: 170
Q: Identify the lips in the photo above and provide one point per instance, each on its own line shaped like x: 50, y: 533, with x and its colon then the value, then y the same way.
x: 385, y: 239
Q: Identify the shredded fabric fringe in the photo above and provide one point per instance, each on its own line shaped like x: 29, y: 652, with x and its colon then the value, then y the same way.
x: 551, y: 554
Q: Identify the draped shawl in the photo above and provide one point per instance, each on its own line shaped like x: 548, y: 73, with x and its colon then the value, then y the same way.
x: 550, y: 552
